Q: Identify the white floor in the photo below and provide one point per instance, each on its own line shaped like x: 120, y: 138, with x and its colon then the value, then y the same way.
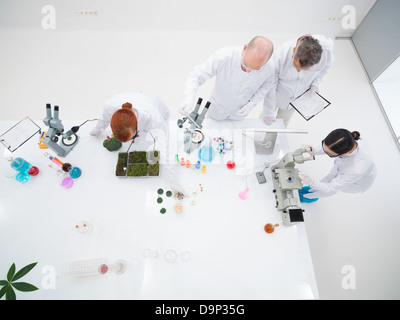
x: 79, y: 70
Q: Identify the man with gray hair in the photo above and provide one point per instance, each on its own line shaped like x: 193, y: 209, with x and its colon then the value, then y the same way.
x: 243, y: 77
x: 299, y: 65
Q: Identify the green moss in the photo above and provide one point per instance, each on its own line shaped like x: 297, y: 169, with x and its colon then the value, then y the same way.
x: 137, y: 165
x: 154, y: 169
x: 136, y: 170
x: 137, y: 157
x: 120, y: 172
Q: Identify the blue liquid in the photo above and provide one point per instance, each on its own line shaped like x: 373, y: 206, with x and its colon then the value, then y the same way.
x: 22, y: 177
x: 75, y: 172
x: 206, y: 154
x: 20, y: 165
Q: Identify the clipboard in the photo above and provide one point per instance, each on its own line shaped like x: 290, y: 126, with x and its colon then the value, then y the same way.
x: 18, y: 134
x: 307, y: 106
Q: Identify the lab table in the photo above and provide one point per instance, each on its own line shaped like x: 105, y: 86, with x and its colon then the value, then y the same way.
x: 216, y: 248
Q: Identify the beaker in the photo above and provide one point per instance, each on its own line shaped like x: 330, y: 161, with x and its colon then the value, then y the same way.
x: 33, y: 171
x: 269, y: 227
x: 230, y: 164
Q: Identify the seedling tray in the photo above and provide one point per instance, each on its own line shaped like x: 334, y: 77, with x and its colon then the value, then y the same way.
x: 137, y: 165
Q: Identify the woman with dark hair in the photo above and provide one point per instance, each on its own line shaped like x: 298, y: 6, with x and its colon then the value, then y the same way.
x: 353, y: 170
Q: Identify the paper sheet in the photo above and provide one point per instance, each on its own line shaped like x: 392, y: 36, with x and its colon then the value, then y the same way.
x: 309, y: 105
x: 17, y: 135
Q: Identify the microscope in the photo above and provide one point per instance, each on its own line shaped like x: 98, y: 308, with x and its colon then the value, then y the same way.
x: 193, y: 134
x: 286, y: 182
x: 56, y: 129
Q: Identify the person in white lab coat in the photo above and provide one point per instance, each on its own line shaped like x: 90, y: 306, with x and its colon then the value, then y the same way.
x: 130, y: 113
x: 299, y: 65
x: 145, y: 113
x: 354, y: 170
x: 243, y: 76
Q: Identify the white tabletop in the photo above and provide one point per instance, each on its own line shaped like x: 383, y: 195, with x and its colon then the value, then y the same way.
x: 222, y: 250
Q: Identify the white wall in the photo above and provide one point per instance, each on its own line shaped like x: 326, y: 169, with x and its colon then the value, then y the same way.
x: 153, y: 47
x: 270, y: 17
x: 386, y: 87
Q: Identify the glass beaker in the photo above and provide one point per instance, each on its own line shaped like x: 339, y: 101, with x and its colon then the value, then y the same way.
x: 269, y: 227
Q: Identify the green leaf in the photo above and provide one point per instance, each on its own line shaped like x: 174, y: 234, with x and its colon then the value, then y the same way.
x: 3, y: 282
x: 11, y: 272
x: 3, y: 291
x: 23, y: 271
x: 10, y: 294
x: 24, y: 286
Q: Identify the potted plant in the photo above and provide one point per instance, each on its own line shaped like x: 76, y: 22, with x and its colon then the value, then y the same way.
x: 10, y: 284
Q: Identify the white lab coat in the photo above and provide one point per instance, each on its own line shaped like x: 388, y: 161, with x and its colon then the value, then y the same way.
x: 150, y: 111
x: 234, y: 88
x: 289, y: 84
x: 352, y: 173
x: 152, y: 116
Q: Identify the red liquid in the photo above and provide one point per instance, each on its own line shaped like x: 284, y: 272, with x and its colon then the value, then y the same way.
x: 33, y: 171
x: 103, y: 268
x: 230, y: 164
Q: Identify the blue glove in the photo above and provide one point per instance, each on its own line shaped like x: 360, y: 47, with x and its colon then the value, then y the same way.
x: 304, y: 191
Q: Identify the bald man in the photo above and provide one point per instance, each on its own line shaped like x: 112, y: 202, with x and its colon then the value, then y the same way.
x: 243, y: 77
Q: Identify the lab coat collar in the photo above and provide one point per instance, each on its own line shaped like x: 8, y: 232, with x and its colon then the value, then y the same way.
x: 136, y: 112
x: 354, y: 153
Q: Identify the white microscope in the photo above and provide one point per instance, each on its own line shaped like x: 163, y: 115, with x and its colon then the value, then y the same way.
x: 56, y: 129
x: 286, y: 183
x: 193, y: 134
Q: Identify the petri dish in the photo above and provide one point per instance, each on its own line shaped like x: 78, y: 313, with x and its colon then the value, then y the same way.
x: 170, y: 256
x: 67, y: 182
x: 75, y: 172
x: 185, y: 255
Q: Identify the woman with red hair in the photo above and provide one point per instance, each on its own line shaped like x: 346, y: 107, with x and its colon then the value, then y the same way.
x: 129, y: 113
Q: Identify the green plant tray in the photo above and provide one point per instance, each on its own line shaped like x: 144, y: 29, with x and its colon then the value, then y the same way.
x: 137, y: 165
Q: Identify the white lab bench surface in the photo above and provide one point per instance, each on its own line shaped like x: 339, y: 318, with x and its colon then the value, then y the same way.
x: 222, y: 250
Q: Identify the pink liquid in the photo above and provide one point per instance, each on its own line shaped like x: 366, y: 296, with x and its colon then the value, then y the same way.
x: 243, y: 194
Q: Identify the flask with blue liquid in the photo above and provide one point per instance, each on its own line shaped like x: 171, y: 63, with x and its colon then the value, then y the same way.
x: 22, y: 166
